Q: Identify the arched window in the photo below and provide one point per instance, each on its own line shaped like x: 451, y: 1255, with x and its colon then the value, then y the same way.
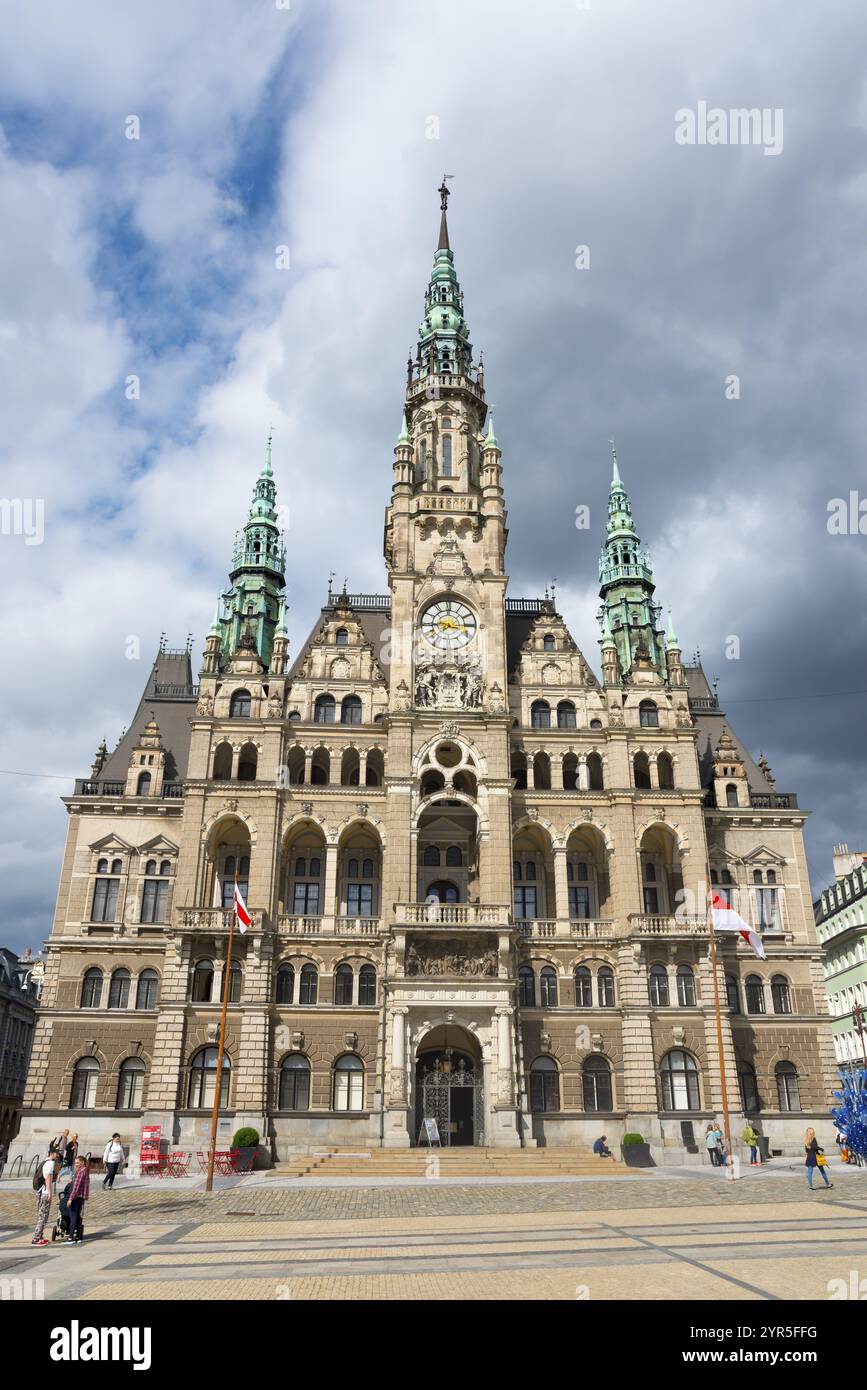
x: 731, y: 794
x: 350, y: 710
x: 648, y: 715
x: 342, y: 637
x: 348, y: 1083
x: 155, y: 893
x: 323, y: 709
x: 118, y: 991
x: 130, y: 1086
x: 659, y: 986
x: 431, y: 856
x: 685, y: 987
x: 595, y: 724
x: 91, y: 988
x: 788, y: 1091
x: 519, y: 771
x: 203, y: 981
x: 447, y: 456
x: 105, y: 892
x: 733, y: 994
x: 248, y: 762
x: 755, y: 992
x: 748, y: 1088
x: 583, y: 988
x: 285, y: 984
x: 679, y: 1081
x: 146, y: 990
x: 596, y: 1079
x: 781, y: 995
x: 570, y: 773
x: 344, y: 980
x: 548, y: 643
x: 641, y: 772
x: 236, y: 982
x: 454, y: 857
x: 665, y: 772
x: 223, y: 763
x: 166, y: 867
x: 544, y: 1086
x: 527, y: 986
x: 578, y: 890
x: 295, y: 1083
x: 566, y: 715
x: 542, y: 772
x: 84, y: 1082
x: 143, y: 786
x: 230, y: 866
x: 605, y: 986
x: 548, y: 987
x: 309, y: 992
x: 361, y: 888
x: 240, y: 705
x: 594, y: 772
x: 540, y: 714
x: 295, y: 717
x: 203, y: 1080
x: 367, y: 986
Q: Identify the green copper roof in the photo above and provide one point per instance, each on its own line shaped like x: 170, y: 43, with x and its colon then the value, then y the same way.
x: 444, y: 332
x: 250, y: 607
x: 490, y: 437
x: 629, y: 617
x: 404, y: 436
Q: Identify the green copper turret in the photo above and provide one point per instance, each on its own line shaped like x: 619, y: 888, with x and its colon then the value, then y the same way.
x: 444, y: 337
x: 628, y: 614
x: 250, y: 607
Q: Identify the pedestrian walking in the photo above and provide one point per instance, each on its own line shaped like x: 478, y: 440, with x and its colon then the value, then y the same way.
x: 60, y: 1143
x: 71, y: 1149
x: 43, y: 1184
x: 113, y: 1156
x: 751, y: 1139
x: 815, y: 1159
x: 77, y: 1198
x: 710, y: 1144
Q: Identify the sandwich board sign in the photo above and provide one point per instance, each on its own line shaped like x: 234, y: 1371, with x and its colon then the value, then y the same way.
x: 429, y: 1133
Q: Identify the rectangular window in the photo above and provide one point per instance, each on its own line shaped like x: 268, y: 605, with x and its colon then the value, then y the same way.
x: 105, y: 900
x: 579, y: 901
x: 306, y: 899
x: 360, y: 900
x: 651, y: 900
x: 447, y: 456
x: 154, y: 901
x: 525, y: 904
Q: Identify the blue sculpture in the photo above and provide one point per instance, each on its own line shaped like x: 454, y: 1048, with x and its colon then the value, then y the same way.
x: 851, y: 1115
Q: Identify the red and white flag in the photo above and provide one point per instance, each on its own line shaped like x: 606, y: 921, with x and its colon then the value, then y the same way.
x: 725, y: 919
x: 242, y: 916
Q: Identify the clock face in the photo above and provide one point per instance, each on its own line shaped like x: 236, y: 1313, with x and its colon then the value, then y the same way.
x: 448, y: 624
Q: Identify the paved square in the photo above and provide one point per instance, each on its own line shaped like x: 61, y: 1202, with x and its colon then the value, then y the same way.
x: 657, y: 1237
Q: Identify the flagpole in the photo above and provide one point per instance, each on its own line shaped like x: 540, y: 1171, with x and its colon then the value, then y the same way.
x: 719, y: 1035
x: 209, y: 1185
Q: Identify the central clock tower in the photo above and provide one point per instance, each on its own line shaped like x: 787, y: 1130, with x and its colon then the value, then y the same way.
x: 445, y: 529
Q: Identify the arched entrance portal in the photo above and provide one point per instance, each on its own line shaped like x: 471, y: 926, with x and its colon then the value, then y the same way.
x: 449, y: 1087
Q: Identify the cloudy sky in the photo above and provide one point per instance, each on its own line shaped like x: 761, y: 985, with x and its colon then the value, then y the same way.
x: 325, y: 127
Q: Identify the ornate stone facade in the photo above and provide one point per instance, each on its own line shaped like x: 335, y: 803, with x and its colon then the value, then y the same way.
x: 475, y: 869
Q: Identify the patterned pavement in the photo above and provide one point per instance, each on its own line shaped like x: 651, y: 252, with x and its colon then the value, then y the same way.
x: 659, y: 1238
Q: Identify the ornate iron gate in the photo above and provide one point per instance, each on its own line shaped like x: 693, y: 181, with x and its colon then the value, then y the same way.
x: 436, y: 1093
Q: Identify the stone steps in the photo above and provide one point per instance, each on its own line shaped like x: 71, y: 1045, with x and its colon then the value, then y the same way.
x: 457, y: 1162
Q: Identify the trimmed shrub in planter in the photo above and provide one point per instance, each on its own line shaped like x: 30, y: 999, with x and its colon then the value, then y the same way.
x: 247, y: 1138
x: 635, y: 1153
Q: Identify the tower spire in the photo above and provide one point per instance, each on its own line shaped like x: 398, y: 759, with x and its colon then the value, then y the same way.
x: 629, y: 614
x: 443, y: 190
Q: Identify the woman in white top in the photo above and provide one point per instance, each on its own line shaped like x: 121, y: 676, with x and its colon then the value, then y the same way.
x: 113, y: 1156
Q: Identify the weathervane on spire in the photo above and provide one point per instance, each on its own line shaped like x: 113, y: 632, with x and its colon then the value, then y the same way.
x: 613, y: 451
x: 268, y: 446
x: 443, y: 191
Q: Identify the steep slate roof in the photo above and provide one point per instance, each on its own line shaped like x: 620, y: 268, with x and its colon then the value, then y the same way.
x: 171, y: 711
x: 709, y: 723
x: 375, y: 624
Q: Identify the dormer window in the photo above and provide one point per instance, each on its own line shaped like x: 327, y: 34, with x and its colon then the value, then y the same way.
x: 548, y: 642
x: 342, y: 637
x: 240, y: 705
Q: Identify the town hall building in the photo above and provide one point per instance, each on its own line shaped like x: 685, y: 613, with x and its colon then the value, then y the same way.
x: 474, y: 855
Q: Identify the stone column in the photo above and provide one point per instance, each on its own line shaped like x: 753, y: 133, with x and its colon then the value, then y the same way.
x: 583, y: 775
x: 505, y: 1059
x: 396, y: 1133
x: 561, y: 884
x: 330, y: 905
x: 308, y: 766
x: 362, y: 767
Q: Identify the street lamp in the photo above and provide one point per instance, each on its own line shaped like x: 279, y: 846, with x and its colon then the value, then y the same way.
x: 860, y: 1027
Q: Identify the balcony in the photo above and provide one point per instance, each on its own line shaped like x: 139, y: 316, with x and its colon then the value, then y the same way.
x: 329, y: 926
x: 773, y: 801
x: 451, y: 915
x: 84, y: 787
x: 644, y: 924
x: 585, y: 928
x: 211, y: 919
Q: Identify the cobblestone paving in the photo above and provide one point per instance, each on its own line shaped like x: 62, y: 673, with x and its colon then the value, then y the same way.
x: 661, y: 1238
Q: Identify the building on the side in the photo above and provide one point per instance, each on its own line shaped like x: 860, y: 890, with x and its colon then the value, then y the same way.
x: 475, y: 865
x: 20, y: 982
x: 841, y: 925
